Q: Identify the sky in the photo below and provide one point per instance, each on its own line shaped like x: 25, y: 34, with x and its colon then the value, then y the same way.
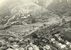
x: 28, y: 1
x: 1, y: 1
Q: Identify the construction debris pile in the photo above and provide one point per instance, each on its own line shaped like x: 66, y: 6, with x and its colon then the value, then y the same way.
x: 39, y: 40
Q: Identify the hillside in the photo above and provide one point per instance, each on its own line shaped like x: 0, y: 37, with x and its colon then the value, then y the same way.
x: 35, y: 21
x: 24, y: 15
